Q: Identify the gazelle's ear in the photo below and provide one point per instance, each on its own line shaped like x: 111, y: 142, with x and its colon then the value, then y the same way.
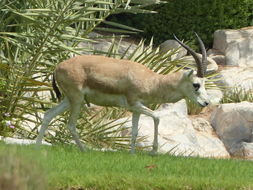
x: 188, y: 73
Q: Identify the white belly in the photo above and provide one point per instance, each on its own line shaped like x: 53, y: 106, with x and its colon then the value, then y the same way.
x: 102, y: 99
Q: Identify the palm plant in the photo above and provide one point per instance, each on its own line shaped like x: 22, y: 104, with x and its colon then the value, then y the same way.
x: 35, y: 36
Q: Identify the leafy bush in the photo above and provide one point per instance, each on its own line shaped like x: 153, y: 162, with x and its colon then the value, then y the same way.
x: 185, y: 16
x: 34, y: 37
x: 236, y: 95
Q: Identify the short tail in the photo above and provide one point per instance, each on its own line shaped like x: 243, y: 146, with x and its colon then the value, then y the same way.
x: 56, y: 89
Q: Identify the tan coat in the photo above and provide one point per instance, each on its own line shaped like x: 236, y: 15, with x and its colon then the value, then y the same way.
x: 99, y: 77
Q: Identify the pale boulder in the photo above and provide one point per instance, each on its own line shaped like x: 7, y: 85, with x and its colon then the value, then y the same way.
x: 242, y: 149
x: 208, y: 141
x: 178, y: 134
x: 43, y: 95
x: 211, y: 64
x: 217, y: 56
x: 215, y: 95
x: 237, y: 77
x: 32, y: 123
x: 236, y: 45
x: 180, y: 107
x: 101, y: 44
x: 9, y: 140
x: 234, y: 126
x: 170, y: 45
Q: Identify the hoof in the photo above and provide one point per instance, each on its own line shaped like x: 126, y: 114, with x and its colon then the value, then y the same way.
x: 82, y: 149
x: 153, y: 153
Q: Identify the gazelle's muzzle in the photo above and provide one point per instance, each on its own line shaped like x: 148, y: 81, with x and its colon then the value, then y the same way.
x: 204, y: 104
x: 203, y: 98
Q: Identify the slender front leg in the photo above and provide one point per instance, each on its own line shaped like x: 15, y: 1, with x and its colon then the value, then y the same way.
x: 49, y: 115
x: 155, y: 143
x: 141, y: 109
x: 135, y: 121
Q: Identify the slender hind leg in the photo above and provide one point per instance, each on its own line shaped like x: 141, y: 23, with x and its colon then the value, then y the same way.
x: 49, y: 115
x: 135, y: 121
x: 76, y: 103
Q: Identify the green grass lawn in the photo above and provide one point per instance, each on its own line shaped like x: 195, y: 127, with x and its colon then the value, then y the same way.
x: 64, y: 167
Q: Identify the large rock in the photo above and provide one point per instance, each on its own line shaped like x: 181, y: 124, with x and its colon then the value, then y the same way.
x: 237, y: 78
x: 101, y: 45
x: 217, y: 56
x: 9, y: 140
x: 215, y: 95
x: 32, y: 122
x: 211, y: 64
x: 43, y: 95
x: 178, y: 134
x: 208, y: 141
x: 242, y: 149
x: 236, y: 45
x: 234, y: 125
x: 170, y: 45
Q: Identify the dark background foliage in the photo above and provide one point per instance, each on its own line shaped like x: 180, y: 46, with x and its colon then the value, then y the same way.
x: 185, y: 16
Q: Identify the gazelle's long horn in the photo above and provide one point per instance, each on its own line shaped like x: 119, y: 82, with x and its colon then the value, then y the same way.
x: 200, y: 68
x: 203, y: 52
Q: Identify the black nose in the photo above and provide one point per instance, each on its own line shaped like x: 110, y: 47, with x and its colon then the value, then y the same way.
x: 206, y: 103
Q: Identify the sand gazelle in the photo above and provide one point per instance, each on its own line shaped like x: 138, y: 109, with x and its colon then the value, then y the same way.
x: 108, y: 81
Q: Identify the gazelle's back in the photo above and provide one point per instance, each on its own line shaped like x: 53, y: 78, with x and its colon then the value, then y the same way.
x: 101, y: 64
x: 105, y: 74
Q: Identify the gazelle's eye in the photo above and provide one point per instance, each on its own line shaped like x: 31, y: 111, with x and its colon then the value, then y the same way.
x: 196, y: 86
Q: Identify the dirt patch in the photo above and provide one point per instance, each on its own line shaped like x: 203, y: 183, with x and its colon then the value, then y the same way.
x: 205, y: 113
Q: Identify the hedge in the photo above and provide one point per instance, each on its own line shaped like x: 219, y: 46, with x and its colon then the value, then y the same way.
x: 182, y: 17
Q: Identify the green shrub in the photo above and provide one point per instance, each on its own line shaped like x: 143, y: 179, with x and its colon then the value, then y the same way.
x: 237, y: 94
x: 185, y: 16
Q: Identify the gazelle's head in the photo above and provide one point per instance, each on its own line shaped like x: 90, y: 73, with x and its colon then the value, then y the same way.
x: 193, y: 85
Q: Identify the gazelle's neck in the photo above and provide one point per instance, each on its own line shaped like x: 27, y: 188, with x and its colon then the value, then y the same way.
x: 165, y: 88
